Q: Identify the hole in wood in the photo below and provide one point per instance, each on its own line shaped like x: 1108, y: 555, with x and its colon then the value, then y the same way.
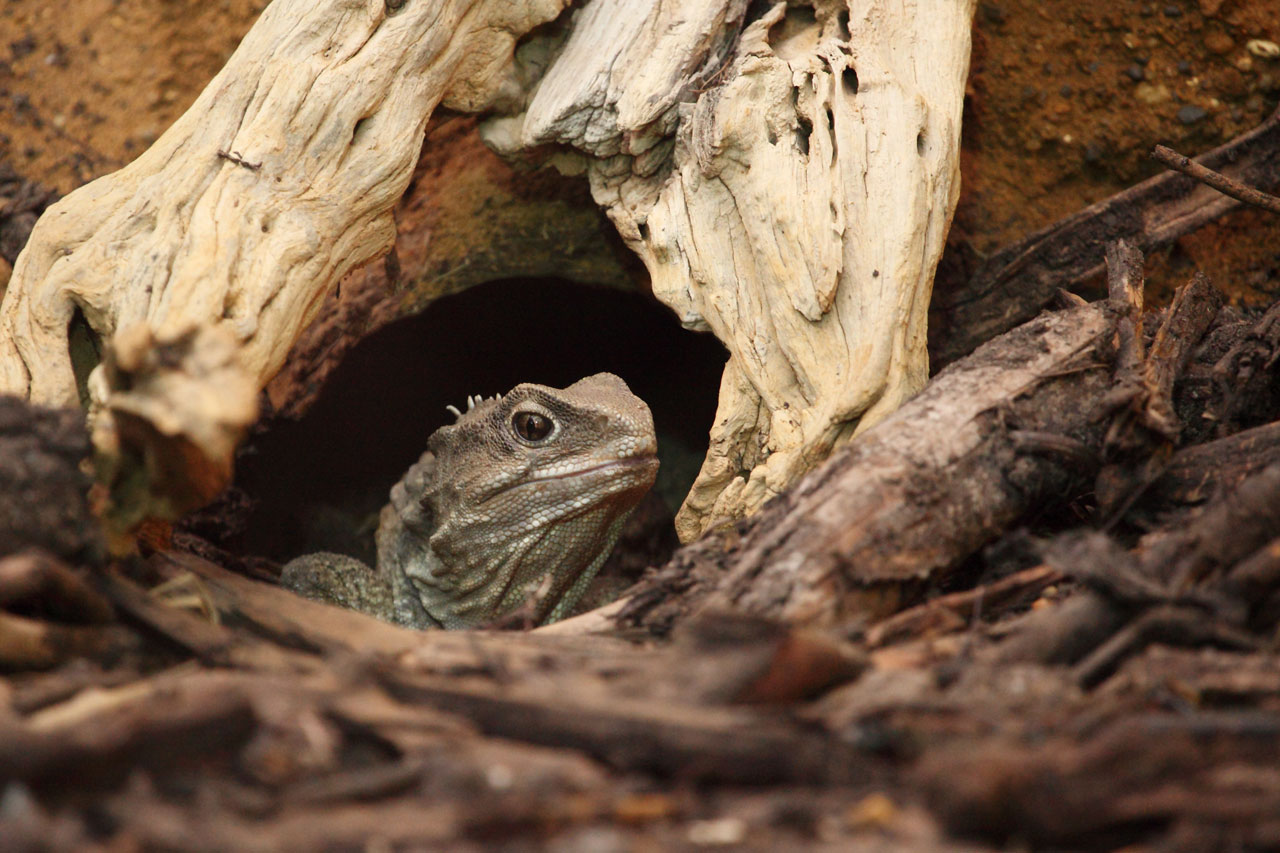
x: 361, y: 129
x: 804, y: 130
x: 318, y: 483
x: 85, y: 349
x: 849, y: 77
x: 842, y: 25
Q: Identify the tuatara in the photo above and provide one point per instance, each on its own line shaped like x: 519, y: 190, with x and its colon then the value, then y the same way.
x: 518, y: 502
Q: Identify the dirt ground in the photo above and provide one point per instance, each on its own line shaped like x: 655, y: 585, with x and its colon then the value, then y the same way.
x: 1065, y: 99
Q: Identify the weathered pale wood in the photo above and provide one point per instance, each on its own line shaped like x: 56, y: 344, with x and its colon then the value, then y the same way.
x: 788, y: 188
x: 241, y: 217
x: 786, y: 175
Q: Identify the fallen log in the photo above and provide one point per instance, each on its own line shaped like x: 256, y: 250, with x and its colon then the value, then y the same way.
x: 1068, y: 401
x: 991, y: 437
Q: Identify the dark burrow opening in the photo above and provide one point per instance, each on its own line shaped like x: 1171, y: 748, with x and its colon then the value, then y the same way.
x: 318, y: 483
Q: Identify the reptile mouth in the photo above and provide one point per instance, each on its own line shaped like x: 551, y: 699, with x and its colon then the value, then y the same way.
x: 639, y: 461
x: 628, y: 462
x: 613, y: 464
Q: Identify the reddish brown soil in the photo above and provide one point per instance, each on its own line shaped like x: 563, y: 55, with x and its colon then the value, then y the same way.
x: 1055, y: 119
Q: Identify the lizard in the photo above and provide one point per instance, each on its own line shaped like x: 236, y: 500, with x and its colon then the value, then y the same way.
x: 517, y: 502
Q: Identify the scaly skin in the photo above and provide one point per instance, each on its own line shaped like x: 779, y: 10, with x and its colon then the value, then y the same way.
x: 496, y: 514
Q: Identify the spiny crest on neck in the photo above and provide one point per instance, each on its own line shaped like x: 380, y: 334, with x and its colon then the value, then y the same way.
x: 473, y: 400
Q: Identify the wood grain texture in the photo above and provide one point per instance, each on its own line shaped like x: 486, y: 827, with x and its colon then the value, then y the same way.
x: 788, y: 181
x: 244, y: 214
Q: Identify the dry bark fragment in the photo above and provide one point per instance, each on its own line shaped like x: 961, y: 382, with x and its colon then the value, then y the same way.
x: 43, y: 492
x: 106, y: 739
x: 1194, y: 474
x: 1127, y: 781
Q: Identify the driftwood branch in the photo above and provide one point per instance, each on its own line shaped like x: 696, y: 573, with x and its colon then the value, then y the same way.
x: 190, y: 249
x: 732, y: 153
x: 730, y: 144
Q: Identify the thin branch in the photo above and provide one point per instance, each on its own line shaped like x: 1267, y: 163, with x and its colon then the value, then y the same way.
x: 1217, y: 180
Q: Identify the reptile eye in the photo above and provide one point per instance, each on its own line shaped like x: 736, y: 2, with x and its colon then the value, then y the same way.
x: 531, y: 426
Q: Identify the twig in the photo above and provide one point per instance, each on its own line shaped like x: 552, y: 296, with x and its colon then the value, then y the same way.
x: 1012, y: 285
x: 940, y: 614
x: 1181, y: 626
x: 1217, y: 180
x: 1055, y: 444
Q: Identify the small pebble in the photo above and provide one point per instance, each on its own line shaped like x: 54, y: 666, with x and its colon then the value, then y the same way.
x: 1219, y: 43
x: 1065, y: 91
x: 1184, y: 67
x: 1135, y: 73
x: 499, y: 777
x: 1142, y: 60
x: 1172, y: 11
x: 1152, y: 94
x: 875, y: 812
x: 1190, y: 114
x: 1092, y: 152
x: 1263, y: 49
x: 1092, y: 67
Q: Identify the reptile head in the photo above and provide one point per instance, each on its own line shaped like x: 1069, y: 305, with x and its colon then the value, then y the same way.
x: 535, y: 484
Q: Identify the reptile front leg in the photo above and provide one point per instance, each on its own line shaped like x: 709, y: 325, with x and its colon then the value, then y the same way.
x: 340, y: 580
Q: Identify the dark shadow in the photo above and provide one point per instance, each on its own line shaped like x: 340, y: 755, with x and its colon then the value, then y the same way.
x: 317, y: 483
